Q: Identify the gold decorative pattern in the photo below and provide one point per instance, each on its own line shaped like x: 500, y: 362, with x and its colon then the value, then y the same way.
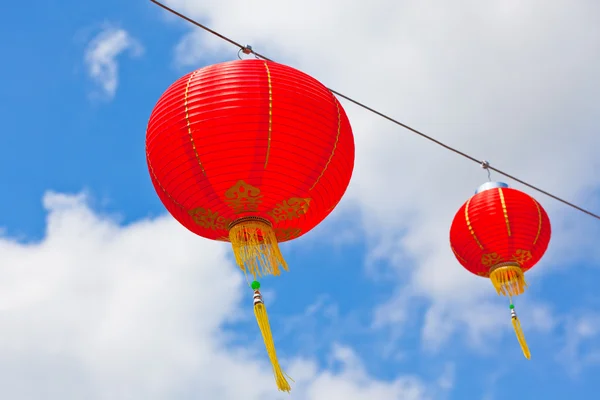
x: 270, y: 114
x: 287, y: 233
x: 243, y: 197
x: 337, y: 138
x: 504, y: 210
x: 490, y: 259
x: 483, y: 274
x: 522, y: 256
x: 208, y: 219
x: 290, y: 209
x: 469, y: 224
x: 537, y: 236
x: 187, y: 119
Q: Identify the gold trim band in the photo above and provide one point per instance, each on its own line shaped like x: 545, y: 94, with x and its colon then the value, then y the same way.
x: 249, y: 219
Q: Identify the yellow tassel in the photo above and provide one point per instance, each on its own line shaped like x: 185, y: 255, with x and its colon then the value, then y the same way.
x: 520, y: 336
x: 508, y: 279
x: 255, y: 247
x: 260, y: 311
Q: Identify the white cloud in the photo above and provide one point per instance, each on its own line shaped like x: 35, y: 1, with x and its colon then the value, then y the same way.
x: 352, y: 382
x: 101, y: 311
x: 514, y: 83
x: 101, y: 58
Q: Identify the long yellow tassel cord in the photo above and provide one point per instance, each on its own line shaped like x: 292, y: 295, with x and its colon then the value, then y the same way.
x: 509, y: 280
x: 519, y: 331
x: 260, y: 311
x: 255, y: 247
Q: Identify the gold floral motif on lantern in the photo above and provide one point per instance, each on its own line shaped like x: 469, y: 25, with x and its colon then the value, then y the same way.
x: 522, y: 256
x: 290, y: 209
x: 208, y: 219
x: 243, y: 197
x: 490, y: 259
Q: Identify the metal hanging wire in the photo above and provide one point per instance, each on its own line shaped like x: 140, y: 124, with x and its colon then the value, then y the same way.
x: 484, y: 164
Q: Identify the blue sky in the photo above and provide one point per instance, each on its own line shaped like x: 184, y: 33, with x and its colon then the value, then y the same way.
x: 374, y: 306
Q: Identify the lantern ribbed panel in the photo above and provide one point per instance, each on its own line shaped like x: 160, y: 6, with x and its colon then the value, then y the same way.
x: 249, y: 127
x: 520, y: 234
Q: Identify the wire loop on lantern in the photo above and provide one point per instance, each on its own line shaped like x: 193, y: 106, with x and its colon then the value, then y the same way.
x: 485, y: 164
x: 246, y: 50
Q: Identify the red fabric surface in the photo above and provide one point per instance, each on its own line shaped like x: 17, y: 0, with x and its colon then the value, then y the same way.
x: 529, y: 231
x: 233, y: 108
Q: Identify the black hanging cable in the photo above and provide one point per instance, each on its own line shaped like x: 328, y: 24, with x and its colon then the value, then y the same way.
x: 484, y: 164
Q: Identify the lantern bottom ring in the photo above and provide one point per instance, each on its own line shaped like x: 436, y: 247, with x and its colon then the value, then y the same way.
x: 249, y: 219
x: 505, y: 264
x: 508, y: 279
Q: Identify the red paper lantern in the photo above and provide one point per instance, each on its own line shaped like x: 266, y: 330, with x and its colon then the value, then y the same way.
x: 250, y: 152
x: 500, y: 233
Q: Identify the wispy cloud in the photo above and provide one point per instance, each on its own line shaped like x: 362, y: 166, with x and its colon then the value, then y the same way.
x: 101, y: 58
x: 581, y: 347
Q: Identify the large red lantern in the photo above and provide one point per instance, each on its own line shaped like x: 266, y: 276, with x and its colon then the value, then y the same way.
x: 500, y: 233
x: 254, y: 153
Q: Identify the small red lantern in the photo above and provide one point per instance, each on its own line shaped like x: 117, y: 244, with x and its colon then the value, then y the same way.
x: 500, y: 233
x: 254, y: 153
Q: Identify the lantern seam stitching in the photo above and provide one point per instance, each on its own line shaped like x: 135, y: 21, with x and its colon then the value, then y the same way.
x: 187, y: 120
x: 159, y: 184
x: 537, y: 236
x: 337, y: 138
x: 270, y: 113
x: 458, y: 255
x: 469, y: 224
x: 504, y: 211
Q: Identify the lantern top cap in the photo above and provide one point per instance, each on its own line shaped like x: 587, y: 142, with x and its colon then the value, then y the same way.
x: 491, y: 185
